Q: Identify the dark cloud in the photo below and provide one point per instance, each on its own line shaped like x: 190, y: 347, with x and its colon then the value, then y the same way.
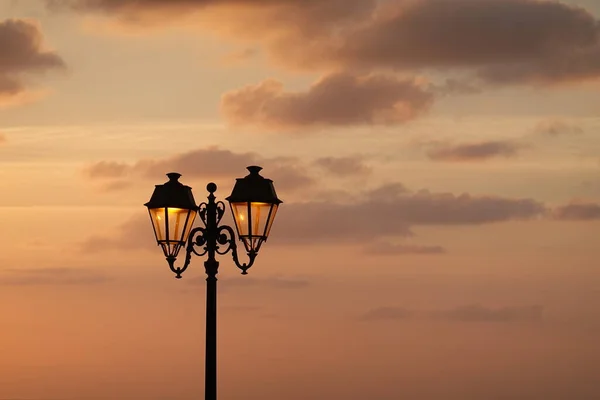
x: 474, y: 151
x: 387, y: 211
x: 305, y: 17
x: 389, y: 249
x: 51, y: 276
x: 21, y: 53
x: 336, y: 99
x: 343, y: 166
x: 577, y: 211
x: 375, y: 217
x: 505, y: 41
x: 10, y: 86
x: 467, y: 313
x: 478, y: 313
x: 208, y: 163
x: 557, y: 127
x: 498, y: 41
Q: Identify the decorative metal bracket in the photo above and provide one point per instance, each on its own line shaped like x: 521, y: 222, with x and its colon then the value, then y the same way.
x: 211, y: 239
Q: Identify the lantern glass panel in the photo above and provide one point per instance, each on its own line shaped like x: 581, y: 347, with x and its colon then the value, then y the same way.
x: 240, y: 215
x: 271, y: 219
x: 179, y: 223
x: 157, y: 215
x: 172, y: 227
x: 260, y: 218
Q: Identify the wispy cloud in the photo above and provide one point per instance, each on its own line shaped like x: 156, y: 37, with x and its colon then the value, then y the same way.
x: 480, y: 151
x: 577, y: 211
x: 51, y: 276
x: 467, y: 313
x: 557, y: 127
x: 390, y: 210
x: 344, y: 166
x: 390, y: 249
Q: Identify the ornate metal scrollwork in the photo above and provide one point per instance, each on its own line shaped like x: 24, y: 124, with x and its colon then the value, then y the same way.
x: 225, y: 237
x: 197, y: 239
x: 220, y: 207
x: 228, y: 237
x: 211, y: 238
x: 202, y: 210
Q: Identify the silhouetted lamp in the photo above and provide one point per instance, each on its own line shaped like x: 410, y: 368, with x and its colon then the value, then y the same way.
x: 254, y: 204
x: 172, y: 209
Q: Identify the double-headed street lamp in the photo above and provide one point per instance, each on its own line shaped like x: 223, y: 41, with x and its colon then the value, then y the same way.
x: 172, y: 209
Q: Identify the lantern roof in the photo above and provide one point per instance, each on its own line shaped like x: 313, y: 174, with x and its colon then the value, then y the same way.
x: 254, y: 188
x: 172, y: 194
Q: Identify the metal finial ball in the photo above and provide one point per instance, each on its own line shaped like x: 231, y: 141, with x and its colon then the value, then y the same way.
x: 211, y: 187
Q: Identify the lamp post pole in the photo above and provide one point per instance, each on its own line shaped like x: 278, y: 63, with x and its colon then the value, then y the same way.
x: 172, y: 209
x: 212, y: 266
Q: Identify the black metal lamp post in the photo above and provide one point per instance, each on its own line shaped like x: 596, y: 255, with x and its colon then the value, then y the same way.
x: 172, y: 211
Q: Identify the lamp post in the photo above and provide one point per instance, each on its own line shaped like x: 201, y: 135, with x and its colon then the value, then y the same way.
x: 173, y: 210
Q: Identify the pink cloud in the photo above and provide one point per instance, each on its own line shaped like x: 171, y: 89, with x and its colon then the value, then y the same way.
x: 344, y: 166
x: 21, y: 53
x: 371, y: 216
x: 216, y: 163
x: 481, y: 151
x: 335, y: 99
x: 498, y: 41
x: 578, y: 211
x: 389, y: 249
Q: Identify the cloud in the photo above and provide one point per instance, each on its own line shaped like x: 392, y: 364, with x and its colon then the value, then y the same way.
x: 51, y: 276
x: 21, y: 53
x: 495, y: 41
x: 343, y: 166
x: 502, y: 41
x: 252, y: 18
x: 390, y: 210
x: 370, y: 217
x: 467, y: 313
x: 577, y: 211
x: 474, y: 151
x: 557, y: 127
x: 208, y: 163
x: 3, y: 138
x: 478, y: 313
x: 389, y: 249
x: 338, y: 99
x: 107, y: 169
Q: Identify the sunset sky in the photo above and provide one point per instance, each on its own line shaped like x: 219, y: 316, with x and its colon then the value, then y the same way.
x: 439, y: 163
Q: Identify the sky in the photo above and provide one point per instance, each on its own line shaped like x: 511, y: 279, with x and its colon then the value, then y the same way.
x: 438, y: 162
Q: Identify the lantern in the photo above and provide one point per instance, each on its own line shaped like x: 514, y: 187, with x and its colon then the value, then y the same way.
x: 254, y: 204
x: 172, y: 211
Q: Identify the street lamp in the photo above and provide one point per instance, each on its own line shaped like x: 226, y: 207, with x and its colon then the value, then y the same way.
x: 172, y: 209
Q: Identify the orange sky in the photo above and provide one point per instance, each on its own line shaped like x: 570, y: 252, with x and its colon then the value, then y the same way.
x: 438, y: 162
